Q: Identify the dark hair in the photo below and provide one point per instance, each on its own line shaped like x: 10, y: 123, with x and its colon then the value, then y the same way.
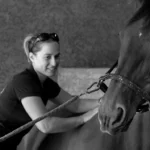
x: 142, y: 13
x: 30, y: 42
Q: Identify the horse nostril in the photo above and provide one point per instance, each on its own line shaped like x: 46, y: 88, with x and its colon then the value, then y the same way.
x: 119, y: 116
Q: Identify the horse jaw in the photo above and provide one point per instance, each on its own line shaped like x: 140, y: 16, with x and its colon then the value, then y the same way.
x: 116, y: 111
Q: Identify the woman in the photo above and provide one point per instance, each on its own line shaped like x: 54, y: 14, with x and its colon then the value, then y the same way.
x: 25, y: 96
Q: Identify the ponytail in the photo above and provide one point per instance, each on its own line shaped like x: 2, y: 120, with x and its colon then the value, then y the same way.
x: 26, y: 45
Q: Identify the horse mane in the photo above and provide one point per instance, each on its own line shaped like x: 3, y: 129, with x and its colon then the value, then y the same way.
x: 142, y: 13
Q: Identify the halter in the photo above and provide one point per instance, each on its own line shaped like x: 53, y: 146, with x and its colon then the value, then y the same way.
x: 139, y: 91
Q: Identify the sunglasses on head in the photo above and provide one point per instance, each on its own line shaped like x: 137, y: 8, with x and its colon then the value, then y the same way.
x: 44, y: 37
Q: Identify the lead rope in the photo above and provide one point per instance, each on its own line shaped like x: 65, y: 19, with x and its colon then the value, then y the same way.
x: 33, y: 122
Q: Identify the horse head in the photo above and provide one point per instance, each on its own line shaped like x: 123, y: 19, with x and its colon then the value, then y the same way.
x: 129, y: 85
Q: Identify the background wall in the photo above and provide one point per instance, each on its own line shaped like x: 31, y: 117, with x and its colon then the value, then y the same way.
x: 88, y: 30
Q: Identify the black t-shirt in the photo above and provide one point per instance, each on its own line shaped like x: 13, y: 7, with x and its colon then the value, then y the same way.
x: 23, y: 84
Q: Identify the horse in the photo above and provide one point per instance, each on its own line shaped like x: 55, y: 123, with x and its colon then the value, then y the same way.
x: 129, y: 88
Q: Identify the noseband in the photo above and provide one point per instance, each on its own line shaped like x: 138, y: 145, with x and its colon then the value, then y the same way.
x: 143, y: 94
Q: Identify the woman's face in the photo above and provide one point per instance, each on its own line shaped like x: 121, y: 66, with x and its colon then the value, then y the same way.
x: 46, y: 61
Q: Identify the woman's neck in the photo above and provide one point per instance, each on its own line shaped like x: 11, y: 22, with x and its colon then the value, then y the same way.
x: 41, y: 77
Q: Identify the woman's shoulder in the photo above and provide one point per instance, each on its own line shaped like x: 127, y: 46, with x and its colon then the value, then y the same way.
x: 25, y: 77
x: 25, y: 84
x: 22, y: 75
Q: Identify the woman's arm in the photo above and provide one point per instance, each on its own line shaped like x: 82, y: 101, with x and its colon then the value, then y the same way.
x: 79, y: 105
x: 35, y: 108
x: 61, y: 113
x: 36, y: 134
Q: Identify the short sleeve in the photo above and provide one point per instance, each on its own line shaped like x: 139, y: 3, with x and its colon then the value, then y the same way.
x: 25, y: 86
x: 52, y: 88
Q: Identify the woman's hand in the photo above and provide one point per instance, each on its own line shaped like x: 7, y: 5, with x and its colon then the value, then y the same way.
x: 88, y: 115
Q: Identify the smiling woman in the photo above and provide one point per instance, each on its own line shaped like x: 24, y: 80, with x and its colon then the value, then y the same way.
x: 45, y: 61
x: 26, y: 94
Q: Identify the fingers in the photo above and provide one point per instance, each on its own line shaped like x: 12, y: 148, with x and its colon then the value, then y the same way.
x: 90, y: 114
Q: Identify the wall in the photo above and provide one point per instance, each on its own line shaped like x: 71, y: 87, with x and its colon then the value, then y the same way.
x: 88, y: 30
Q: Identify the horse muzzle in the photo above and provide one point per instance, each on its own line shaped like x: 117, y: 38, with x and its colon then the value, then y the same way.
x: 111, y: 121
